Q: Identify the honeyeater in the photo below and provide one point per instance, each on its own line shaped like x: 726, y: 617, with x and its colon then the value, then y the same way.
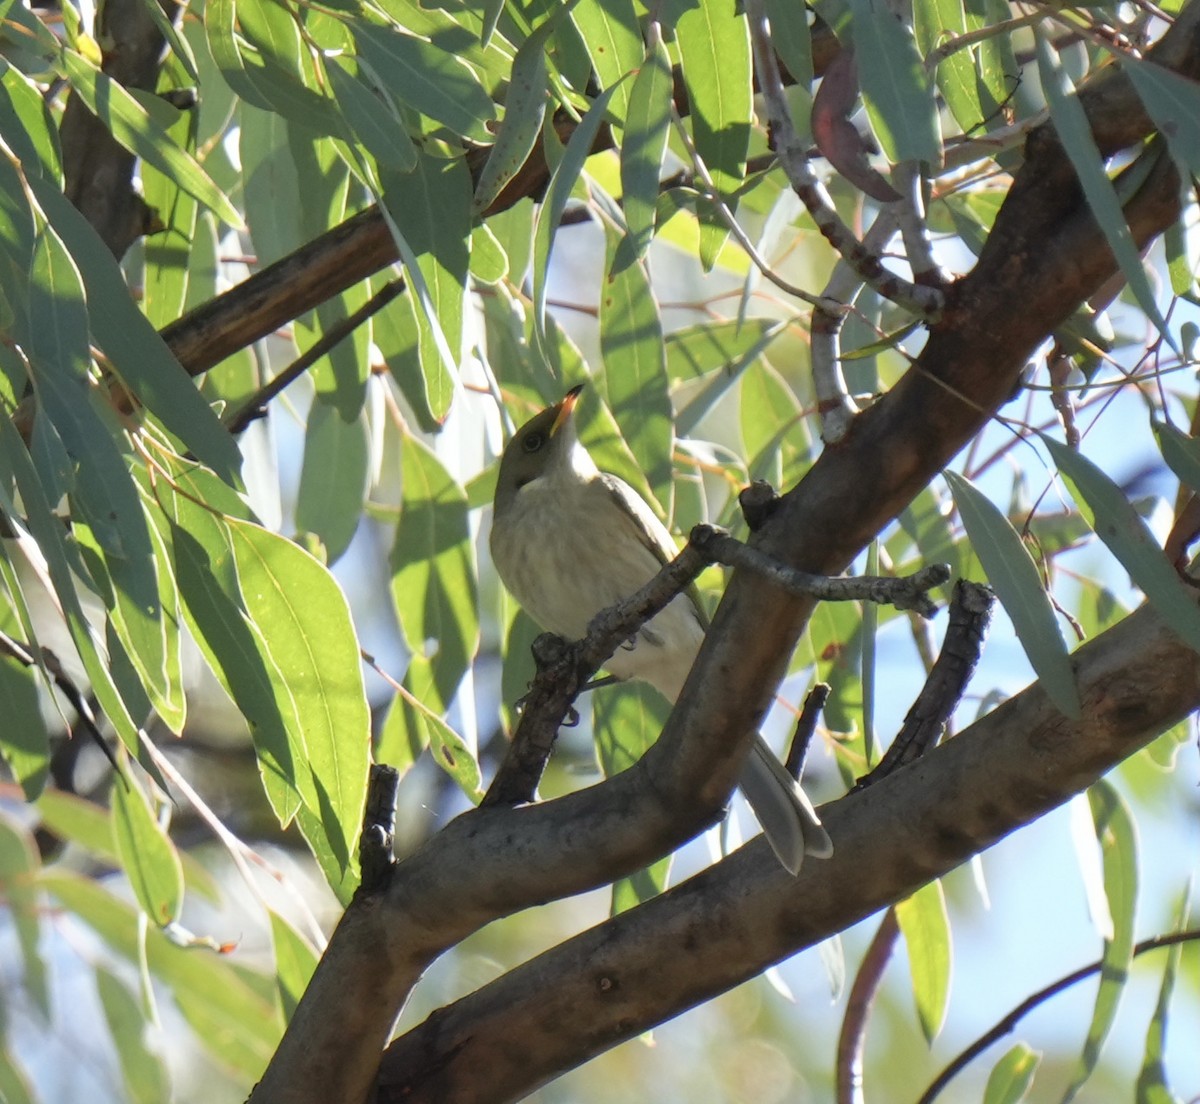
x: 570, y: 540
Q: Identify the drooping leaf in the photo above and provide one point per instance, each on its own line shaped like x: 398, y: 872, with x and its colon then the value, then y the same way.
x: 430, y: 80
x: 897, y: 91
x: 333, y: 478
x: 135, y: 350
x: 1075, y: 133
x: 1117, y: 836
x: 635, y: 368
x: 433, y: 571
x: 557, y: 193
x: 524, y: 110
x: 143, y: 1071
x: 1152, y: 1085
x: 304, y: 622
x: 295, y: 961
x: 1012, y: 572
x: 925, y: 925
x: 195, y: 976
x: 371, y: 118
x: 1011, y: 1077
x: 609, y: 29
x: 627, y: 720
x: 433, y: 204
x: 647, y: 125
x: 147, y: 854
x: 714, y: 51
x: 19, y: 867
x: 1126, y: 536
x: 24, y: 741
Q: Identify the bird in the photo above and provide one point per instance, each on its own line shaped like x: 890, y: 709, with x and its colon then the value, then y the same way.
x: 569, y: 540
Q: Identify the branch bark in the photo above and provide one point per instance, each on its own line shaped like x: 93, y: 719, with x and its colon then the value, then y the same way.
x: 98, y: 170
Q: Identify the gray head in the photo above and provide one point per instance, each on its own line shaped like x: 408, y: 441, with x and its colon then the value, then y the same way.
x: 541, y: 445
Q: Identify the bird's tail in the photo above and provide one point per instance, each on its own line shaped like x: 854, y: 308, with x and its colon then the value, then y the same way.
x: 787, y: 816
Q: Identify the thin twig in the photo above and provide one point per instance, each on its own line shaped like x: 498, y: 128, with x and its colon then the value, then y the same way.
x: 970, y: 618
x: 905, y: 592
x: 51, y: 664
x: 256, y: 405
x: 805, y: 727
x: 1009, y: 1022
x: 853, y: 1035
x: 927, y: 302
x: 375, y: 856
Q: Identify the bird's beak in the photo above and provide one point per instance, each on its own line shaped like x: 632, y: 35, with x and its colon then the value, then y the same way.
x: 566, y: 408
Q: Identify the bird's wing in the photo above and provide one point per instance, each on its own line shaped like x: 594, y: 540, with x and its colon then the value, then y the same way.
x: 652, y: 532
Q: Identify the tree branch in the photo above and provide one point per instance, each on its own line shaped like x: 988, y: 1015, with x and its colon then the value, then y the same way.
x: 744, y: 914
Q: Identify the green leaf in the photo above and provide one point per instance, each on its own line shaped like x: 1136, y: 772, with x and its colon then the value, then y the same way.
x: 1072, y: 127
x: 791, y: 38
x: 398, y: 331
x: 146, y: 853
x: 524, y: 111
x: 371, y: 118
x: 139, y: 356
x: 1181, y: 452
x: 304, y: 622
x: 233, y: 649
x: 558, y: 191
x: 295, y: 961
x: 714, y: 51
x: 412, y: 726
x: 19, y: 867
x: 1117, y: 836
x: 1011, y: 1076
x: 168, y: 252
x: 58, y: 366
x: 47, y: 530
x: 896, y: 89
x: 333, y: 478
x: 926, y: 928
x: 434, y: 580
x: 609, y: 29
x: 27, y: 125
x: 627, y: 720
x: 1173, y: 102
x: 1018, y: 584
x: 89, y: 826
x: 340, y: 376
x: 935, y: 21
x: 281, y: 66
x: 145, y: 1075
x: 24, y: 740
x: 433, y: 204
x: 1152, y: 1087
x: 720, y: 351
x: 647, y: 126
x: 1126, y: 536
x: 635, y: 372
x: 138, y: 132
x: 430, y: 80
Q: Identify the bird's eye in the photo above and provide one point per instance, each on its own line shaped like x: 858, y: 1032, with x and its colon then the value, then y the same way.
x: 533, y: 441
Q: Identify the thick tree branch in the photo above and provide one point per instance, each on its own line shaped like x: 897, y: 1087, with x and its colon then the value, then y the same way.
x: 744, y: 914
x: 99, y: 171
